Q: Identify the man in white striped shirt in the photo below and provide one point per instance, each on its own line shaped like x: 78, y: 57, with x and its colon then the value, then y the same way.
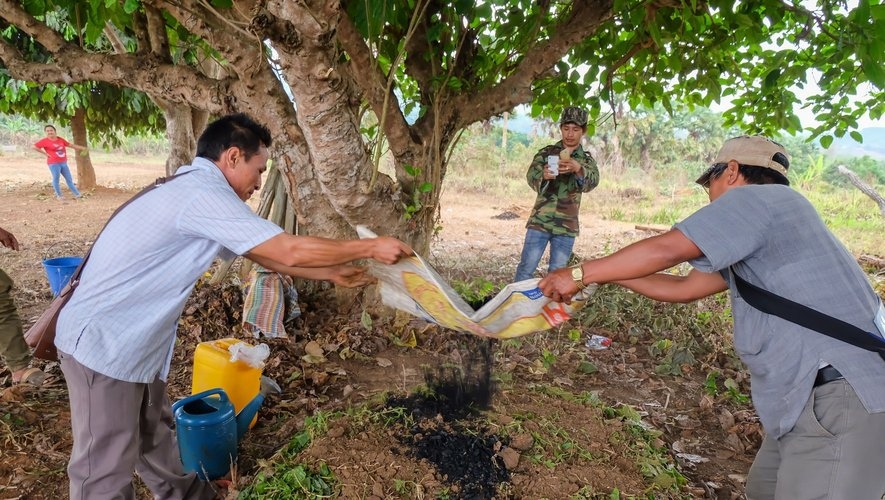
x: 116, y: 335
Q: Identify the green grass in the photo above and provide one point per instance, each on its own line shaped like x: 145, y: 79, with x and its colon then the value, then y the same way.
x: 284, y: 477
x: 554, y: 445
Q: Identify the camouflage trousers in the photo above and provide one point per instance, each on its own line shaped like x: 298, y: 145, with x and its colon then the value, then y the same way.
x: 12, y: 344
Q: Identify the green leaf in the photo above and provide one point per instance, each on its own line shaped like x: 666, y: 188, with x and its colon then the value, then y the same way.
x: 730, y: 384
x: 48, y: 95
x: 130, y: 6
x: 366, y: 320
x: 35, y: 7
x: 862, y: 12
x: 587, y: 367
x: 873, y: 70
x: 483, y: 10
x: 771, y: 79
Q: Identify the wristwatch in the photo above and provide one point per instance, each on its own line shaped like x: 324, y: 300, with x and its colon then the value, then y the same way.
x: 578, y: 276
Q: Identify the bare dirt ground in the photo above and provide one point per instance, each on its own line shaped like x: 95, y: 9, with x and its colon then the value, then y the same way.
x: 712, y: 441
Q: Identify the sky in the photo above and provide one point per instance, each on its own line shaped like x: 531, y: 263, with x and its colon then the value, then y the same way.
x: 521, y: 122
x: 808, y: 118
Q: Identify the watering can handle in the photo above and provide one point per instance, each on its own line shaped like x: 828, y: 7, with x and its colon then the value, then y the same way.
x: 211, y: 392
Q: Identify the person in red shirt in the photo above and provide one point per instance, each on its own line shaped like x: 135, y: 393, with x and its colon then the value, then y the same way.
x: 55, y: 149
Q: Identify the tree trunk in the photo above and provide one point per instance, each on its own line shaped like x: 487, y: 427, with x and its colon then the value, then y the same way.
x: 199, y: 120
x: 180, y: 133
x: 864, y: 187
x: 503, y: 164
x: 645, y: 157
x: 335, y: 185
x: 85, y: 170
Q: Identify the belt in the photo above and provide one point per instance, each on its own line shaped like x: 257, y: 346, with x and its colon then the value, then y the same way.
x: 826, y: 375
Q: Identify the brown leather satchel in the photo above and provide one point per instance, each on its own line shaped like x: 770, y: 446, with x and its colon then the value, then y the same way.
x: 41, y: 336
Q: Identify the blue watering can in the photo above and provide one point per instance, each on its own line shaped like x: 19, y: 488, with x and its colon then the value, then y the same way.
x: 209, y: 429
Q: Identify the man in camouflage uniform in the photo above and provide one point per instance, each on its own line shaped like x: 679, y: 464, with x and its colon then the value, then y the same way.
x: 554, y: 218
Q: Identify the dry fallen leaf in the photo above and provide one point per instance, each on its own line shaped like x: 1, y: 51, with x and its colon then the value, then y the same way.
x: 726, y: 419
x: 313, y: 348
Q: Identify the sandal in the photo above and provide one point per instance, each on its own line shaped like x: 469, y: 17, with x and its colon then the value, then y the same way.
x: 33, y: 376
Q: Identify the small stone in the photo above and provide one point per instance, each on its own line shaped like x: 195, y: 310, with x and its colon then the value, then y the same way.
x: 510, y: 457
x: 522, y: 442
x: 378, y: 490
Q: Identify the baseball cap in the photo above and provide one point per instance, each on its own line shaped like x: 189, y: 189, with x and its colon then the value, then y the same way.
x: 755, y: 151
x: 574, y: 114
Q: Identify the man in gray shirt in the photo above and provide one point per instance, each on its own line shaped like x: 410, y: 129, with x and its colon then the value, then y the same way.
x: 820, y: 400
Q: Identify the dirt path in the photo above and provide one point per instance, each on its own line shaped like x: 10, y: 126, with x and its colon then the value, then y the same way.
x: 474, y: 226
x: 479, y: 232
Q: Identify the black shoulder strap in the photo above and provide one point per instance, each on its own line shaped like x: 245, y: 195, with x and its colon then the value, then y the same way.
x: 771, y: 303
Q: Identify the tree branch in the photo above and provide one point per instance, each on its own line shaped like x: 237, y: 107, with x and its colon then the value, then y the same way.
x: 811, y: 19
x: 864, y: 187
x: 176, y: 83
x: 417, y: 48
x: 110, y: 31
x: 610, y: 72
x: 366, y: 73
x: 15, y: 15
x: 156, y: 32
x: 242, y: 50
x: 139, y: 27
x: 583, y: 20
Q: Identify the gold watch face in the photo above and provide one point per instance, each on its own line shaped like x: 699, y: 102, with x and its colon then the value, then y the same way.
x: 577, y: 273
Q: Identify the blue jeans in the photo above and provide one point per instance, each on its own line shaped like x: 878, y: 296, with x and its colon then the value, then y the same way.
x: 61, y: 169
x: 533, y: 249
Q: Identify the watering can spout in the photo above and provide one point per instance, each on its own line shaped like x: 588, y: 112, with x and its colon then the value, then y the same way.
x: 245, y: 416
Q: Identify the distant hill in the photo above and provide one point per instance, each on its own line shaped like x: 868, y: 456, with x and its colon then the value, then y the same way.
x: 873, y: 138
x: 873, y: 144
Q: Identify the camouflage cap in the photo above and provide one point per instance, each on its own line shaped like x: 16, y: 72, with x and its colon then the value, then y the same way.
x: 574, y: 114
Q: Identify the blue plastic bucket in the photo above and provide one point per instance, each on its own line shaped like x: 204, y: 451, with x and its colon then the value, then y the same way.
x: 59, y: 271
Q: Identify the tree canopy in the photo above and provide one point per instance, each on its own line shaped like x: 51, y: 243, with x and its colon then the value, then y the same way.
x: 449, y: 63
x: 111, y: 110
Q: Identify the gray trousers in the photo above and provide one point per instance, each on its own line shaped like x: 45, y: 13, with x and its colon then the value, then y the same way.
x: 12, y: 344
x: 836, y: 451
x: 120, y: 428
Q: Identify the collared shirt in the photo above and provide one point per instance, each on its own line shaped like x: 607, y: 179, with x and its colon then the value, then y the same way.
x: 121, y: 320
x: 775, y: 239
